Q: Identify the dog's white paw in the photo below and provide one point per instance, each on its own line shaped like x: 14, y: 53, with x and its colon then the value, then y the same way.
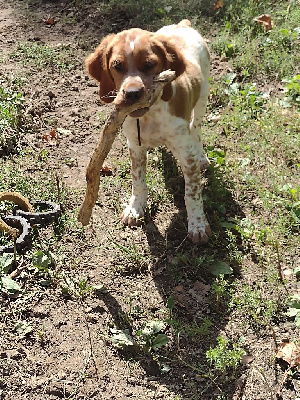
x: 133, y: 213
x: 199, y: 230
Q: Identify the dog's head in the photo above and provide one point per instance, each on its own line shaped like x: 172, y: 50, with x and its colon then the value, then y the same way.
x: 126, y: 63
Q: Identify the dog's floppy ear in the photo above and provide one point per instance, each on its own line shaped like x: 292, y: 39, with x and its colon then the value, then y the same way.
x: 174, y: 61
x: 97, y: 66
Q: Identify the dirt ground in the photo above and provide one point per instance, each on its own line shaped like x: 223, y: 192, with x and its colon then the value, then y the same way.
x: 68, y: 355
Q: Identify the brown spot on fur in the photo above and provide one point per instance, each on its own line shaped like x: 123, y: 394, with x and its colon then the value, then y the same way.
x: 187, y: 89
x: 137, y: 162
x: 96, y: 64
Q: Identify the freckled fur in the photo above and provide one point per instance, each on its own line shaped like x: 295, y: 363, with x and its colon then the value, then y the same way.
x: 173, y: 121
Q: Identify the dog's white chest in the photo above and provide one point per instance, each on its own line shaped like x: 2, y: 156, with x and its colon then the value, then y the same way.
x: 157, y: 127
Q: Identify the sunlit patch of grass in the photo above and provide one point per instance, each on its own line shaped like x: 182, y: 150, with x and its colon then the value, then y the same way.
x: 42, y: 55
x: 225, y: 355
x: 12, y: 122
x: 252, y: 140
x: 271, y: 54
x: 13, y: 178
x: 131, y: 256
x: 261, y: 141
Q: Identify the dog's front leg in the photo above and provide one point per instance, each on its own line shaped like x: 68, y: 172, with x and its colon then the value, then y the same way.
x: 190, y: 156
x: 134, y: 211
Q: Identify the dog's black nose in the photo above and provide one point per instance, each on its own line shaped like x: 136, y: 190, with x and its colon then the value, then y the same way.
x: 133, y: 95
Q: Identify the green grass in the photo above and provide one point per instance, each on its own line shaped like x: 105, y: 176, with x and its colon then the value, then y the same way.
x: 146, y: 14
x: 271, y: 55
x: 261, y: 136
x: 11, y: 115
x: 42, y: 55
x: 43, y: 184
x: 259, y: 166
x: 225, y: 355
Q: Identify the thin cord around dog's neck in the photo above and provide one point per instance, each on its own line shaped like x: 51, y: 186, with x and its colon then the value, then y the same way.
x: 138, y: 130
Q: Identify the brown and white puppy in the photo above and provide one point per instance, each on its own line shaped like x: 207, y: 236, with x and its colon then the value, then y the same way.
x: 125, y: 65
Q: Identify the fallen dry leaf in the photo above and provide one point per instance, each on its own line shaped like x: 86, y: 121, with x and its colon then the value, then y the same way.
x: 199, y: 286
x: 199, y: 291
x: 181, y: 299
x: 51, y: 138
x: 289, y: 352
x: 49, y: 21
x: 247, y: 359
x: 218, y: 4
x: 179, y: 294
x: 265, y: 21
x: 105, y: 171
x: 179, y: 288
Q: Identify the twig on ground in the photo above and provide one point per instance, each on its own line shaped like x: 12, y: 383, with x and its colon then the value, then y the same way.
x: 90, y: 342
x: 17, y: 271
x: 273, y: 334
x: 58, y: 188
x: 278, y: 261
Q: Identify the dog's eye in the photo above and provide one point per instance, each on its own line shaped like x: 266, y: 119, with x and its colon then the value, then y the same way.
x: 149, y: 64
x: 118, y: 66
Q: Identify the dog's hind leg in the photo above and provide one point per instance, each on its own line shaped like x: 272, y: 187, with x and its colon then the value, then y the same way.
x: 195, y: 129
x: 190, y: 155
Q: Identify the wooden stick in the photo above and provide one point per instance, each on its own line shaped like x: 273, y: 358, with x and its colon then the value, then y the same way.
x: 107, y: 137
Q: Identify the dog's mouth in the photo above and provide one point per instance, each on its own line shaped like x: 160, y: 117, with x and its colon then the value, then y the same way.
x: 139, y: 113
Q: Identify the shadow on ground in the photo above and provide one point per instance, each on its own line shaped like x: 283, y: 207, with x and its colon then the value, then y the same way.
x: 182, y: 273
